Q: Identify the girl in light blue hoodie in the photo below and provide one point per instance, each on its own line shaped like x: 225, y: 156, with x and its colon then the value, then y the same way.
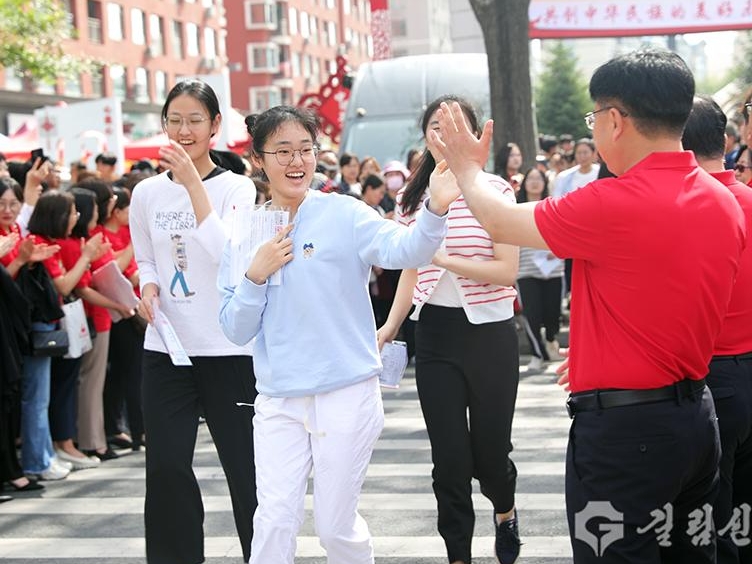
x: 315, y: 356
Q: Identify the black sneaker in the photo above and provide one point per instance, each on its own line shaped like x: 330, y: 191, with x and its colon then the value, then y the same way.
x: 507, y: 540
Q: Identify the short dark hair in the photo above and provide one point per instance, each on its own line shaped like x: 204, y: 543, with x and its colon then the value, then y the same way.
x: 51, y: 214
x: 262, y: 126
x: 197, y: 89
x: 85, y: 204
x: 522, y: 192
x: 346, y: 158
x: 372, y: 181
x: 8, y: 183
x: 654, y: 87
x: 102, y: 194
x: 108, y: 159
x: 705, y: 130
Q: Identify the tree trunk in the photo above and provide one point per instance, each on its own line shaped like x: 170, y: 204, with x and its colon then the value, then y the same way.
x: 505, y: 33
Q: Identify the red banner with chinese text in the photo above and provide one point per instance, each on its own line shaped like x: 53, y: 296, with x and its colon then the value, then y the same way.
x: 612, y: 18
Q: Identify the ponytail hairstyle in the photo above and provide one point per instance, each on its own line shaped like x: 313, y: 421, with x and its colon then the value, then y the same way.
x: 418, y: 182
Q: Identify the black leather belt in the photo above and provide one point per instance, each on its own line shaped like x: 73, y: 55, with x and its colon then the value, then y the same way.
x: 605, y: 399
x: 745, y: 356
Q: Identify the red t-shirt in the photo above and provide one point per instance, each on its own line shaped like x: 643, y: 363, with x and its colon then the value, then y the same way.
x: 11, y: 256
x: 655, y: 255
x: 70, y: 252
x: 736, y: 330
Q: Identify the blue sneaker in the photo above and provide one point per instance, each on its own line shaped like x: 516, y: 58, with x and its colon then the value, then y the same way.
x: 507, y: 540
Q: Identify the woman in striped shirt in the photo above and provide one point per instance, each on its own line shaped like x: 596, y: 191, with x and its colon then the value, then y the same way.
x: 467, y: 359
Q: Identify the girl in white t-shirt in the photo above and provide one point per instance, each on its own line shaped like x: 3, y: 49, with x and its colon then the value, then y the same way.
x: 178, y: 225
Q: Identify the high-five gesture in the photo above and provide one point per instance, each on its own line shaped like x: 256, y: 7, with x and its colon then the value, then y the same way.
x: 463, y: 152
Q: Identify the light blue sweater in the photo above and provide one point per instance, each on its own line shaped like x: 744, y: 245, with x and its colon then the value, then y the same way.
x: 316, y: 332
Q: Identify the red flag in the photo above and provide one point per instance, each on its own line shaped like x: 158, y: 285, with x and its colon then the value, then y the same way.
x: 381, y: 30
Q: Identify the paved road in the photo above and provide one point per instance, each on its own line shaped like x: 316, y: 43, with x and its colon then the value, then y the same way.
x: 95, y: 516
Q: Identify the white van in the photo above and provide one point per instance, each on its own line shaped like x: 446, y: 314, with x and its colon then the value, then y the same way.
x: 388, y: 98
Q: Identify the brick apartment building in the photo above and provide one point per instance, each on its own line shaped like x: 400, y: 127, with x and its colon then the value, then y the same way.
x: 280, y: 50
x: 274, y: 51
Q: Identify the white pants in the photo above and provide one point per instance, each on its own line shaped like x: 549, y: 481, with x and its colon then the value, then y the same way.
x: 333, y: 433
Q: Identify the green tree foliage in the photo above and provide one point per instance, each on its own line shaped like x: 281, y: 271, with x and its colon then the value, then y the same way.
x: 562, y: 95
x: 743, y: 68
x: 32, y: 35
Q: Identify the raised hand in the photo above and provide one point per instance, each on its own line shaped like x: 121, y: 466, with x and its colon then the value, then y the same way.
x: 463, y: 152
x: 34, y: 178
x: 7, y: 242
x: 174, y: 158
x: 443, y: 188
x: 30, y: 251
x: 95, y: 247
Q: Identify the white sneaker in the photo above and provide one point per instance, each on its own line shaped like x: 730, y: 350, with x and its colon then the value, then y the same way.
x: 552, y: 348
x: 54, y: 472
x: 76, y: 462
x: 535, y: 364
x: 64, y: 464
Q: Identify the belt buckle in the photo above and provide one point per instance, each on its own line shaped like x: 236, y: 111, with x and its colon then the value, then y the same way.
x: 570, y: 407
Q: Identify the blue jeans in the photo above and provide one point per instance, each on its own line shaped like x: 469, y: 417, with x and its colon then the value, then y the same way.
x: 36, y: 449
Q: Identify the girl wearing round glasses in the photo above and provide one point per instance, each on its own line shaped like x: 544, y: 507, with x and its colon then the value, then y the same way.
x: 317, y: 362
x: 179, y: 224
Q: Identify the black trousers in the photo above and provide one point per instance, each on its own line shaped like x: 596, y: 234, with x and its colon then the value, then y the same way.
x: 462, y: 368
x: 631, y: 470
x: 173, y: 396
x: 63, y: 407
x: 541, y: 306
x: 730, y: 380
x: 122, y: 387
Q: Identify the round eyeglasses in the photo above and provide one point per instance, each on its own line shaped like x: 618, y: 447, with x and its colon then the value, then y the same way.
x: 285, y: 156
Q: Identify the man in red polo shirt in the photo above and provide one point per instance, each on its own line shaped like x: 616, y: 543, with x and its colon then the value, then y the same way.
x: 655, y: 254
x: 730, y: 371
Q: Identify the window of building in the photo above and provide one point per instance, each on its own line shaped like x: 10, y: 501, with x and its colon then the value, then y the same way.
x: 72, y: 86
x: 138, y: 27
x: 369, y: 47
x: 332, y: 66
x: 260, y: 14
x: 304, y: 29
x: 263, y: 57
x: 119, y: 81
x: 13, y: 80
x: 141, y: 85
x: 114, y: 21
x: 332, y: 33
x: 346, y: 7
x: 293, y: 19
x: 97, y: 82
x: 207, y: 3
x: 160, y: 85
x: 331, y: 4
x: 210, y: 43
x: 399, y: 28
x: 306, y: 65
x: 43, y: 87
x: 156, y: 40
x: 315, y: 70
x: 70, y: 13
x: 314, y: 24
x: 191, y: 39
x: 177, y: 39
x: 295, y: 62
x: 263, y: 98
x: 94, y: 21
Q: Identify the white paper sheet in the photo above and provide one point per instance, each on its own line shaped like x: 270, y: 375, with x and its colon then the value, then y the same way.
x: 110, y: 282
x: 546, y: 262
x: 170, y: 338
x: 252, y: 226
x: 394, y: 359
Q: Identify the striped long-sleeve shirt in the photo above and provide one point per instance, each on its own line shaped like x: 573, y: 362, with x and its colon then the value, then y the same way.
x: 483, y: 302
